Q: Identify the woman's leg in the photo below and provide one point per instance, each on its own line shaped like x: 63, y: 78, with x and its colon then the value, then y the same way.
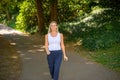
x: 50, y: 59
x: 58, y: 60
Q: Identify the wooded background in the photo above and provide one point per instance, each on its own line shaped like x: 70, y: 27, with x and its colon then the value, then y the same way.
x: 95, y: 22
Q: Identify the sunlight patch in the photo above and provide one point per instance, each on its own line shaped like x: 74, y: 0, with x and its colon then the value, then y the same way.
x: 89, y: 62
x: 27, y: 58
x: 7, y: 30
x: 13, y: 44
x: 14, y: 57
x: 40, y: 49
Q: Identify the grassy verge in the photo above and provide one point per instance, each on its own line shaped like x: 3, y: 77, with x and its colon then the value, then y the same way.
x: 110, y: 57
x: 10, y: 65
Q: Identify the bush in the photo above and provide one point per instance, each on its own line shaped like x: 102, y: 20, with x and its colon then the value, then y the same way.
x: 102, y: 40
x: 26, y: 19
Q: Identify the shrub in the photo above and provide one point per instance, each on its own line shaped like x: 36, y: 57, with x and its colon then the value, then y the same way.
x: 98, y: 41
x: 26, y: 19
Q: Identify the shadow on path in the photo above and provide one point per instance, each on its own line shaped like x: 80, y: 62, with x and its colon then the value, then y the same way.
x: 35, y: 66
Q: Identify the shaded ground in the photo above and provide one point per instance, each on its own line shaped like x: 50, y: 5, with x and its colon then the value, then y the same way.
x: 10, y: 64
x: 35, y: 66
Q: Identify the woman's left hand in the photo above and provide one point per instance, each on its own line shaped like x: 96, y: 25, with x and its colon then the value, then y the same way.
x: 65, y: 58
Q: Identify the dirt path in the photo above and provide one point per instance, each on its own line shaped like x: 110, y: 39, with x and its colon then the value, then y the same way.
x: 35, y: 66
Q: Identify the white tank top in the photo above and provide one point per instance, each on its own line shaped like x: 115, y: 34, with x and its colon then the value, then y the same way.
x: 54, y: 42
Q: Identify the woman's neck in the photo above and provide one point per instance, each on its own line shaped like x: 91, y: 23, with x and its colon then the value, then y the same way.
x: 53, y: 32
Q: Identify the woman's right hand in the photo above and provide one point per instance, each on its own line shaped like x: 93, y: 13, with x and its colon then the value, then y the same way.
x: 48, y: 52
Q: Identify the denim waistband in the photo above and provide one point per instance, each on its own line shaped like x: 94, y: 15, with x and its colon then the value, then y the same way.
x: 55, y: 50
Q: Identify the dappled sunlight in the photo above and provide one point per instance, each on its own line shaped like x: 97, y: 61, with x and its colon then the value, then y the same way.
x: 3, y: 31
x: 14, y: 57
x: 10, y: 62
x: 22, y: 54
x: 13, y: 44
x: 18, y: 51
x: 95, y: 17
x: 40, y: 50
x: 27, y: 58
x: 73, y: 23
x: 46, y: 73
x: 89, y: 63
x: 7, y: 30
x: 99, y: 11
x: 87, y: 19
x: 43, y: 47
x: 74, y: 44
x: 78, y: 43
x: 30, y: 50
x: 35, y: 50
x: 37, y: 46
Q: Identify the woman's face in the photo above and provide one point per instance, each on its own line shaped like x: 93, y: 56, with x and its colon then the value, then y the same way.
x: 53, y: 27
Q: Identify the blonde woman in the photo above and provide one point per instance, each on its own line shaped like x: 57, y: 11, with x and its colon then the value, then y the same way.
x: 55, y: 49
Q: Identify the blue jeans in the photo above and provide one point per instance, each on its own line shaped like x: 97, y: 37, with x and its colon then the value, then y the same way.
x: 54, y: 62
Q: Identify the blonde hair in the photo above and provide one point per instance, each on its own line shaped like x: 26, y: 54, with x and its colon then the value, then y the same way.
x: 49, y: 30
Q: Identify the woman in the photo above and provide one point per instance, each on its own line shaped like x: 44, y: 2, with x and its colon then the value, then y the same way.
x: 54, y: 46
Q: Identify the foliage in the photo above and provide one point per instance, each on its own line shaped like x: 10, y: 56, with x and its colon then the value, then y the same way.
x: 9, y: 10
x: 98, y: 30
x: 69, y: 10
x: 95, y: 22
x: 105, y: 32
x: 114, y: 4
x: 69, y: 7
x: 27, y: 17
x: 99, y: 40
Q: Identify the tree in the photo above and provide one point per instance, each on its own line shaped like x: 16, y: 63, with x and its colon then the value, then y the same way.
x: 9, y: 10
x: 40, y: 15
x: 5, y: 7
x: 53, y: 10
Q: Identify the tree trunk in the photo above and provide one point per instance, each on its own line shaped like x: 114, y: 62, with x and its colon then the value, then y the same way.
x: 53, y: 10
x: 8, y: 15
x: 40, y: 16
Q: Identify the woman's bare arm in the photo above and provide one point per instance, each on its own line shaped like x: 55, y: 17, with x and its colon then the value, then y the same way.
x: 46, y: 44
x: 63, y: 47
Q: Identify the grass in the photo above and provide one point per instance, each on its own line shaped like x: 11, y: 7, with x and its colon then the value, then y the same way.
x: 110, y: 57
x: 10, y: 65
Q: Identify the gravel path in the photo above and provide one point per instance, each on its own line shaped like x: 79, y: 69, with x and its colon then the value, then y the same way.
x: 31, y: 50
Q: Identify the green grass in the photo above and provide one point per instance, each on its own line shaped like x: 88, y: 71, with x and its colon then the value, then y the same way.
x: 110, y: 57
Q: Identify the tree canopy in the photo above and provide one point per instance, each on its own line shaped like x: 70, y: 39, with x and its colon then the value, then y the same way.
x: 94, y: 22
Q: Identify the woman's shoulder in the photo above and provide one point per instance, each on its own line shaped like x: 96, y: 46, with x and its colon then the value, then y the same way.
x: 46, y: 35
x: 61, y: 34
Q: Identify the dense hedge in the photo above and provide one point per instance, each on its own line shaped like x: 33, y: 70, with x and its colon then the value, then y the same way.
x: 96, y: 30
